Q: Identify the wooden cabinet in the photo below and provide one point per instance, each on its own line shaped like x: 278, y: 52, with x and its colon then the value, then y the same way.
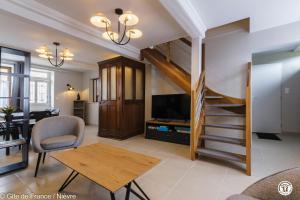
x: 79, y: 109
x: 122, y: 98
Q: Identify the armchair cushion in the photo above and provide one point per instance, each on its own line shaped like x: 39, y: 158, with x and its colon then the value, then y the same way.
x: 58, y: 142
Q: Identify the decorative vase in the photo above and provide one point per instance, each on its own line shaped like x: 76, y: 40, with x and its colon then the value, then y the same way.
x: 78, y: 96
x: 8, y: 118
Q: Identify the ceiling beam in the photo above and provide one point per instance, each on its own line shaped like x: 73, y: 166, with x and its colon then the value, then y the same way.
x: 46, y: 16
x: 187, y: 16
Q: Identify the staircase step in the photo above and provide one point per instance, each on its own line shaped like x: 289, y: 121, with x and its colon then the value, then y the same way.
x: 225, y: 105
x: 228, y: 126
x: 224, y: 115
x: 214, y: 97
x: 224, y: 139
x: 221, y: 155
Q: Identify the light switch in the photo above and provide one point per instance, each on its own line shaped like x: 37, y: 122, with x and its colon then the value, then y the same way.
x: 286, y: 90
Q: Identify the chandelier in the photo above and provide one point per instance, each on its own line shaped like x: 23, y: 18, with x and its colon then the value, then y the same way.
x: 123, y: 35
x: 58, y: 59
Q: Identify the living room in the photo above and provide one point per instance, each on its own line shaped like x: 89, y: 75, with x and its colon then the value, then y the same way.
x: 134, y: 101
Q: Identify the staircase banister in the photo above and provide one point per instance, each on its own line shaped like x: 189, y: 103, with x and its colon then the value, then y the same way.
x: 200, y: 81
x: 249, y: 74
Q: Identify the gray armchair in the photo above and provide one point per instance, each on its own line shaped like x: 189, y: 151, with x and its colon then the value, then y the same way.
x: 267, y: 188
x: 56, y: 133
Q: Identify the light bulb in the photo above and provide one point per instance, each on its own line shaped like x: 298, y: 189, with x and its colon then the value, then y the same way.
x: 113, y: 35
x: 134, y: 33
x: 100, y: 20
x: 128, y: 18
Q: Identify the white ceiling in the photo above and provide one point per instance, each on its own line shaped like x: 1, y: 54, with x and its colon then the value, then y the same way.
x: 24, y: 34
x: 263, y: 14
x: 67, y: 21
x: 155, y: 22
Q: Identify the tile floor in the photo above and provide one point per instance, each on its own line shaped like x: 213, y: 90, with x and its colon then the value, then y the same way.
x: 175, y: 178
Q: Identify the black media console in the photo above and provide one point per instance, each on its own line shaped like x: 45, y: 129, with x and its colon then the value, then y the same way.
x: 171, y: 131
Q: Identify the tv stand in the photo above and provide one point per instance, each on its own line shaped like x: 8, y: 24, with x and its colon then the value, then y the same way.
x: 168, y: 131
x: 162, y: 120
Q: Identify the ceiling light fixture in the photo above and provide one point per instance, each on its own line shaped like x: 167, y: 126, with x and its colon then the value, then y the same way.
x: 120, y: 37
x: 59, y: 58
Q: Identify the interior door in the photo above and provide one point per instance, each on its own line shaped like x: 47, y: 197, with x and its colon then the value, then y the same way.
x: 109, y: 104
x: 266, y: 98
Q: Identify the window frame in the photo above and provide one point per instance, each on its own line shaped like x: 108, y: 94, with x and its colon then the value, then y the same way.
x: 95, y: 89
x: 36, y: 80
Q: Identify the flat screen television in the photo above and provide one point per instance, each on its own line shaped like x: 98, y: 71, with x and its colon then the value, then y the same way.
x: 171, y: 107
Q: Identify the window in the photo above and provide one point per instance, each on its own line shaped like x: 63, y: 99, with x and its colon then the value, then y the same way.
x: 40, y: 88
x: 95, y: 91
x: 5, y: 86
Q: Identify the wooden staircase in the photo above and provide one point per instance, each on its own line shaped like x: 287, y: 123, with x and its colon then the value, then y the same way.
x: 203, y: 102
x: 207, y: 137
x: 169, y: 68
x: 208, y: 106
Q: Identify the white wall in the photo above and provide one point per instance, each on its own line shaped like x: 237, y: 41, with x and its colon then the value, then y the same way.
x: 161, y: 84
x: 227, y: 55
x: 290, y: 91
x: 63, y: 99
x: 92, y: 108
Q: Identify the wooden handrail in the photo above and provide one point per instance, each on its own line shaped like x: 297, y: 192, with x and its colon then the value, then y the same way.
x: 200, y: 81
x: 248, y: 133
x: 249, y: 74
x: 197, y: 114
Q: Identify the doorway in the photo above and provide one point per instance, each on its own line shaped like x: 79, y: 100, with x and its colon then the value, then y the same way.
x: 276, y: 92
x: 266, y: 98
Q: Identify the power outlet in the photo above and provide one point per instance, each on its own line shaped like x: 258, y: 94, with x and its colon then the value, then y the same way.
x: 286, y: 90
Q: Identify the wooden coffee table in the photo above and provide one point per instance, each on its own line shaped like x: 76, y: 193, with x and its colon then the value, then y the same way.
x: 108, y: 166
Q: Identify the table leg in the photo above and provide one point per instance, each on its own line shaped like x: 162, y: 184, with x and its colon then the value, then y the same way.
x: 70, y: 178
x: 128, y: 191
x: 112, y: 196
x: 7, y: 137
x: 140, y: 189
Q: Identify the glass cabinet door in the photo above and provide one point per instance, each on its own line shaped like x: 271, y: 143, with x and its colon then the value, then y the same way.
x: 104, y: 84
x: 108, y: 106
x: 128, y: 82
x: 139, y: 84
x: 113, y: 83
x: 109, y: 83
x: 134, y: 83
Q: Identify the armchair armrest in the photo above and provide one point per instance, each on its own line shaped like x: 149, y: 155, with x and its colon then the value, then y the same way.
x: 79, y: 131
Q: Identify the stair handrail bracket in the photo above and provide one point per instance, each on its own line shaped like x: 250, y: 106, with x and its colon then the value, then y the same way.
x: 197, y: 114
